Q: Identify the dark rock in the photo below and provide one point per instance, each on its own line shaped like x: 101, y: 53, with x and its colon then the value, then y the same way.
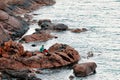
x: 84, y: 69
x: 60, y: 27
x: 71, y: 77
x: 40, y: 22
x: 33, y: 45
x: 24, y: 74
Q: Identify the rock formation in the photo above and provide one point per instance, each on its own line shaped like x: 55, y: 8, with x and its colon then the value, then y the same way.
x: 60, y: 55
x: 10, y: 11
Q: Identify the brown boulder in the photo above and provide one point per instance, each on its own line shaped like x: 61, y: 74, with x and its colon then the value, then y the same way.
x: 10, y: 64
x: 78, y: 30
x: 57, y: 58
x: 38, y: 36
x: 84, y: 69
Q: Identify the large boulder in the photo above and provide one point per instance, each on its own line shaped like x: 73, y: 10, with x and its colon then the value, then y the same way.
x: 59, y: 55
x: 84, y: 69
x: 37, y: 36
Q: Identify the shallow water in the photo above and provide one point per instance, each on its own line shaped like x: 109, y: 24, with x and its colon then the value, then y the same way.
x: 102, y: 19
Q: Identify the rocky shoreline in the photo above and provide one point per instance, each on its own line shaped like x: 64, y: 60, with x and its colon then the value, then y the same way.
x: 14, y: 60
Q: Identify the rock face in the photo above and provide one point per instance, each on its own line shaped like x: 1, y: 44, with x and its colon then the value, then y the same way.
x: 37, y: 36
x: 13, y: 25
x: 11, y: 21
x: 59, y: 55
x: 84, y: 69
x: 4, y: 35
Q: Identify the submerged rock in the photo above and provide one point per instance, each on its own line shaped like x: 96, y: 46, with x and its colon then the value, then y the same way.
x: 84, y: 69
x: 78, y: 30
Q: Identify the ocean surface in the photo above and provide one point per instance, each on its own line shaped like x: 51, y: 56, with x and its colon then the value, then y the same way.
x: 102, y: 19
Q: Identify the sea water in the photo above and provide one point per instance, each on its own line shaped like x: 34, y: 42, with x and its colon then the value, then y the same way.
x: 102, y: 19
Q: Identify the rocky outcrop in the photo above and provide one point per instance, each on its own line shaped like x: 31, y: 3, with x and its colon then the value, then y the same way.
x: 13, y: 25
x: 37, y: 36
x: 59, y: 55
x: 84, y: 69
x: 10, y: 11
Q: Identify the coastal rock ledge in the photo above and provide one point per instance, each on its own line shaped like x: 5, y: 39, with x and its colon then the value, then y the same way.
x: 59, y: 55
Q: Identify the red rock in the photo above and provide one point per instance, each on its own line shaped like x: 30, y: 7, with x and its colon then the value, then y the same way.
x: 84, y: 69
x: 60, y: 55
x: 12, y: 49
x: 78, y: 30
x: 39, y: 36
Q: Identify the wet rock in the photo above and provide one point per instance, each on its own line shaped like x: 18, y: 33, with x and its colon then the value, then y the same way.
x: 40, y: 22
x: 33, y: 45
x: 84, y: 69
x: 60, y: 27
x: 46, y: 24
x: 90, y: 54
x: 37, y: 36
x: 71, y: 77
x: 78, y: 30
